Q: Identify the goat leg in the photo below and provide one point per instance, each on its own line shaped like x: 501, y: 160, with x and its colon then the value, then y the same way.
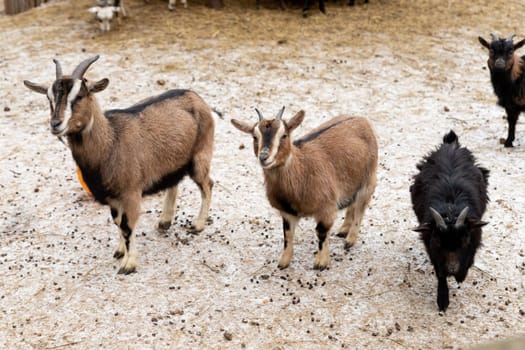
x: 289, y: 224
x: 322, y: 258
x: 121, y: 250
x: 512, y: 118
x: 321, y: 6
x: 168, y: 209
x: 442, y: 297
x: 306, y: 5
x: 130, y: 216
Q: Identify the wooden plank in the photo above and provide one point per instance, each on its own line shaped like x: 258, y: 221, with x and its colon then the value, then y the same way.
x: 13, y: 7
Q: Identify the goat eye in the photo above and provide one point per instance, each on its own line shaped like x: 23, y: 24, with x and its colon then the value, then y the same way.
x: 284, y: 137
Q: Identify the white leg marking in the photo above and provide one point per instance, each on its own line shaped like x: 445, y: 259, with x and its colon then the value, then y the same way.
x: 205, y: 207
x: 287, y: 253
x: 168, y: 209
x: 129, y: 262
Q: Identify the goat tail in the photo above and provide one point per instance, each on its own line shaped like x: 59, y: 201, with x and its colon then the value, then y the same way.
x: 451, y: 137
x: 217, y: 114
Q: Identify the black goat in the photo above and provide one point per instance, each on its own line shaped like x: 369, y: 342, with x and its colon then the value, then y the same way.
x: 449, y: 197
x: 506, y: 75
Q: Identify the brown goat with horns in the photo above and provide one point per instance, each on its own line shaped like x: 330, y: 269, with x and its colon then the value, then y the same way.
x: 332, y: 167
x: 127, y: 153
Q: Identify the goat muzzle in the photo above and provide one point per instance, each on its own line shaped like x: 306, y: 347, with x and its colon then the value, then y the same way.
x: 56, y: 126
x: 499, y: 63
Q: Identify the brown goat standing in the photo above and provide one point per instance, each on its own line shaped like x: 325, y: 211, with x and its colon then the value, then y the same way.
x: 332, y: 167
x: 125, y: 154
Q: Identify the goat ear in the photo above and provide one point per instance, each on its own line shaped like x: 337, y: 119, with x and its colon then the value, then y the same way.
x: 98, y: 86
x: 422, y: 228
x: 41, y: 89
x: 484, y: 42
x: 295, y: 121
x: 244, y: 127
x: 478, y: 224
x: 519, y: 44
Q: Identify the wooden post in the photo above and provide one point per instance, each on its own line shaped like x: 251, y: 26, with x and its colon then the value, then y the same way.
x: 13, y: 7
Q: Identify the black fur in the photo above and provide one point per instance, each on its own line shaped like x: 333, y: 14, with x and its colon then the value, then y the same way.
x: 284, y: 205
x: 510, y: 93
x: 314, y: 135
x: 448, y: 181
x: 321, y: 233
x: 286, y: 227
x: 140, y: 107
x: 93, y: 180
x: 124, y: 226
x: 170, y: 180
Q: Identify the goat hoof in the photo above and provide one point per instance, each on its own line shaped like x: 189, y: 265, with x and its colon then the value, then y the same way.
x: 508, y: 144
x: 319, y: 267
x: 283, y: 266
x: 197, y: 227
x: 126, y: 270
x: 164, y: 225
x: 118, y: 255
x: 341, y: 234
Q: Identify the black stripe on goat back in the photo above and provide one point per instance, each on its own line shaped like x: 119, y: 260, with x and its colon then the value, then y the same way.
x: 176, y: 93
x: 316, y: 134
x: 171, y: 179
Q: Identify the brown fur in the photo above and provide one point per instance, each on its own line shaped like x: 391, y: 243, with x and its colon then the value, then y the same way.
x: 328, y: 169
x: 336, y: 165
x: 516, y: 66
x: 162, y: 138
x: 133, y: 152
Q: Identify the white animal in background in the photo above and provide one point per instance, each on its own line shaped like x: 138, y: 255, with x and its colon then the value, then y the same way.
x: 106, y: 10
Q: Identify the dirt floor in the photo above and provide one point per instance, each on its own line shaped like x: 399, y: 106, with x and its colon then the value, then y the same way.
x: 414, y: 68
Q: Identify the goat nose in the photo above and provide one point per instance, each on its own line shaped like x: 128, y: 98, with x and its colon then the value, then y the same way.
x: 55, y: 123
x: 500, y: 63
x: 263, y: 156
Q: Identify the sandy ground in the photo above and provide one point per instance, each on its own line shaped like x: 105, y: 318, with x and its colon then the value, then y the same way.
x: 416, y: 71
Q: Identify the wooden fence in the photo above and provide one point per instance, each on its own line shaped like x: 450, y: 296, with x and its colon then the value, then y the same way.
x: 16, y: 6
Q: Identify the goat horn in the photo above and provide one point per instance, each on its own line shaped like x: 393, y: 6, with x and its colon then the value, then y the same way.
x: 511, y: 37
x: 59, y: 69
x: 494, y: 37
x: 259, y: 114
x: 279, y: 114
x: 78, y: 73
x: 438, y: 218
x: 461, y: 218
